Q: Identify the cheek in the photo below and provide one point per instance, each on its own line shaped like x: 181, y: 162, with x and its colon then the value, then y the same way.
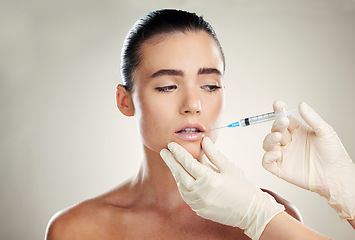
x: 214, y: 110
x: 153, y: 118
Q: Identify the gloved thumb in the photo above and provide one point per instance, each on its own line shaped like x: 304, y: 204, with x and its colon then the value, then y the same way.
x: 319, y: 126
x: 215, y: 156
x: 270, y: 162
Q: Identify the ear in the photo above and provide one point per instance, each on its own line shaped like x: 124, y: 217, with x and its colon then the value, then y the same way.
x: 124, y: 101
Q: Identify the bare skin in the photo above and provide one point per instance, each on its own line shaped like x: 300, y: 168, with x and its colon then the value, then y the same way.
x: 352, y: 222
x: 139, y: 210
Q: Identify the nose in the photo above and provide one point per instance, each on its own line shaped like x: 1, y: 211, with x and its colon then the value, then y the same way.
x: 191, y: 103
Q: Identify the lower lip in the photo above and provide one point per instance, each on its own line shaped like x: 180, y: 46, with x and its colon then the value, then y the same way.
x: 190, y: 136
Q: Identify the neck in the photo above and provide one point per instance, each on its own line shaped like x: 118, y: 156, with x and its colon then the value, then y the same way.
x: 156, y: 182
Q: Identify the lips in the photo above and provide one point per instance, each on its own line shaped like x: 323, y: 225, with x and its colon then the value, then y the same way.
x: 190, y: 132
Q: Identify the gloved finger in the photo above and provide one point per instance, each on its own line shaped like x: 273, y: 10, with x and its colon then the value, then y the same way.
x: 203, y: 195
x: 191, y: 165
x: 197, y: 205
x: 271, y: 161
x: 271, y: 141
x: 314, y: 120
x: 294, y: 123
x: 188, y: 196
x: 177, y: 170
x: 194, y: 192
x: 215, y: 156
x: 186, y: 193
x: 279, y: 106
x: 280, y: 125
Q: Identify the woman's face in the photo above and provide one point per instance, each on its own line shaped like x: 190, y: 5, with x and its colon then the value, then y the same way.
x: 178, y: 91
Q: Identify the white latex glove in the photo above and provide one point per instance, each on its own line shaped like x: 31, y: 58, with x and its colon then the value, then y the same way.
x: 311, y: 157
x: 227, y: 196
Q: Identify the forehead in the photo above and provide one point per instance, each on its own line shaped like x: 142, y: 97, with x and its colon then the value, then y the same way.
x: 186, y: 51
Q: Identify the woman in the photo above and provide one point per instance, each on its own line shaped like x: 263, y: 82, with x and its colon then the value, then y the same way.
x: 172, y: 70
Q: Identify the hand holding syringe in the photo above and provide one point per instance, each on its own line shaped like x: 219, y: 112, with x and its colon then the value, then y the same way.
x: 259, y: 119
x: 313, y: 156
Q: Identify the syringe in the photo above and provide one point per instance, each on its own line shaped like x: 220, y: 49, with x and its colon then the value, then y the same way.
x: 259, y: 119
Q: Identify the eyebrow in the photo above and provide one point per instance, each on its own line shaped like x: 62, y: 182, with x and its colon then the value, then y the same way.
x: 202, y: 71
x: 175, y: 72
x: 169, y: 72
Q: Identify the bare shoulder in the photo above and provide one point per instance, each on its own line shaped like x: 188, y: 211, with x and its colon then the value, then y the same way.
x: 76, y: 222
x: 89, y: 219
x: 290, y: 208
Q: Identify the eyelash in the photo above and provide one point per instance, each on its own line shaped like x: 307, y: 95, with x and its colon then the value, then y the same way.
x: 166, y: 88
x: 210, y: 88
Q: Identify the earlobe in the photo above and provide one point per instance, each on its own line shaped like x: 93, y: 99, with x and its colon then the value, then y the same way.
x: 124, y: 101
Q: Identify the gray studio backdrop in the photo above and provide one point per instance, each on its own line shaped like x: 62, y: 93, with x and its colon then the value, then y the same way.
x: 63, y: 140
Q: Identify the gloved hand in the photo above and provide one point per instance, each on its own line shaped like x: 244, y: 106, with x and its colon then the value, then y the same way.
x: 311, y: 157
x: 224, y: 195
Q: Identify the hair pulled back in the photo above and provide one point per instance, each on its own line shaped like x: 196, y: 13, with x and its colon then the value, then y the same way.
x: 157, y: 23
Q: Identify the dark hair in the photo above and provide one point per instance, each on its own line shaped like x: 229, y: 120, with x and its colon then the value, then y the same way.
x: 153, y: 24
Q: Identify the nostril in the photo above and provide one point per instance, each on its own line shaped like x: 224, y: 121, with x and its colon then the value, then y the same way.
x: 188, y: 111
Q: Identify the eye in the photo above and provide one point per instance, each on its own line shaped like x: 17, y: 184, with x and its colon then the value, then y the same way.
x: 211, y: 88
x: 166, y: 88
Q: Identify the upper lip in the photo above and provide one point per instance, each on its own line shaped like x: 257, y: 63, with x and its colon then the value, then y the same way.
x: 191, y: 125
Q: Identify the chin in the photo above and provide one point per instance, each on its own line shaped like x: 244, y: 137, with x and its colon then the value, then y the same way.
x: 194, y: 148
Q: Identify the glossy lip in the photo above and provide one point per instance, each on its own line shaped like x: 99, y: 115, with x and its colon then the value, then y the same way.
x: 194, y: 136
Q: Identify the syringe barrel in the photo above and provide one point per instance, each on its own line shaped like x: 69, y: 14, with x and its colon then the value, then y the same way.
x: 257, y: 119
